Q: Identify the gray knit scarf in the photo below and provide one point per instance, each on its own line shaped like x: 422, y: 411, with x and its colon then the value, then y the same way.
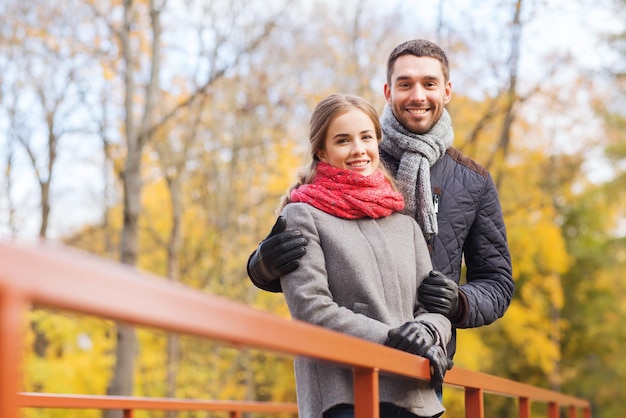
x: 416, y: 154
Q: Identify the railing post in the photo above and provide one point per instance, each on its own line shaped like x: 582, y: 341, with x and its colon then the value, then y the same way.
x: 128, y: 413
x: 524, y: 407
x: 474, y: 403
x: 366, y: 397
x: 235, y: 414
x: 553, y: 410
x: 572, y: 412
x: 11, y: 318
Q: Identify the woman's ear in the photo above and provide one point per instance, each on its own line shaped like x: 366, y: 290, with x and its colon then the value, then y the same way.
x: 321, y: 155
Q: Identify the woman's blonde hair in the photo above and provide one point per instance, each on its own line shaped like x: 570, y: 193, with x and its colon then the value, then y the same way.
x: 323, y: 115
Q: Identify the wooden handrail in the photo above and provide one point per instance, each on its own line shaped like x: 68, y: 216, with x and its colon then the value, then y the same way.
x: 50, y: 400
x: 42, y: 273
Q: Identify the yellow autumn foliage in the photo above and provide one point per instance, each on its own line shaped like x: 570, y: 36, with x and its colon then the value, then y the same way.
x: 76, y: 357
x: 246, y: 134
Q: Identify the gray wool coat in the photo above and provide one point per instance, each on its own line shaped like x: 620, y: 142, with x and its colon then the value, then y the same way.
x: 358, y: 277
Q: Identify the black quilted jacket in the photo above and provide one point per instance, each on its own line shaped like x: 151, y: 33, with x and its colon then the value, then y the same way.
x: 471, y: 226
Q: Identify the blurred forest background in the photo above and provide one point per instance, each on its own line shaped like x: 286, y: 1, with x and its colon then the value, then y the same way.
x: 161, y: 133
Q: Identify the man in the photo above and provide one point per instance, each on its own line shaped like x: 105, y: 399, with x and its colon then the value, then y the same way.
x: 452, y: 197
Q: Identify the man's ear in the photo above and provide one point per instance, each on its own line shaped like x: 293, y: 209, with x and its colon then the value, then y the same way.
x: 387, y: 92
x: 448, y: 94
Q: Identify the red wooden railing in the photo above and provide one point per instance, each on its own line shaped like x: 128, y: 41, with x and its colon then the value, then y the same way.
x: 59, y: 277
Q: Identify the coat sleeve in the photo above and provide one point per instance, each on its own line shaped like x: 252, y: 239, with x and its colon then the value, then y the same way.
x: 490, y: 286
x: 307, y: 292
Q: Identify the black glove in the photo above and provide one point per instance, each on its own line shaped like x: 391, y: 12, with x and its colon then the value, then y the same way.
x: 439, y: 365
x: 439, y: 294
x: 413, y: 337
x: 276, y: 256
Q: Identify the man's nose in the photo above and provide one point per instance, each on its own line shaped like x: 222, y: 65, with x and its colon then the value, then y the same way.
x: 418, y: 93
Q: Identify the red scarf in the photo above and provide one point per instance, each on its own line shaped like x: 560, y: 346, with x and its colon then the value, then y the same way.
x: 350, y: 195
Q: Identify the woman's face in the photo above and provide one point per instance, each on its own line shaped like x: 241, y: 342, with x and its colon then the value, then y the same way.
x: 351, y: 143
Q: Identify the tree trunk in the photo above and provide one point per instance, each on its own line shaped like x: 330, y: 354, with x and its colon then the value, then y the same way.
x: 173, y: 262
x: 122, y: 381
x: 511, y: 97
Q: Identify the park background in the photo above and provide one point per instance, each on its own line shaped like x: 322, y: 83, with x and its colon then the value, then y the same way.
x: 161, y: 133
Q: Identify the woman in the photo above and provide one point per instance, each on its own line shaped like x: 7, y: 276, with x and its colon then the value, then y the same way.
x: 356, y: 276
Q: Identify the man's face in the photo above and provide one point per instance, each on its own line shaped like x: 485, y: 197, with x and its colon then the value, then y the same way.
x: 418, y: 92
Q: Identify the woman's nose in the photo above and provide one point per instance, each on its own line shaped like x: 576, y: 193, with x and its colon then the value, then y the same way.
x: 358, y: 147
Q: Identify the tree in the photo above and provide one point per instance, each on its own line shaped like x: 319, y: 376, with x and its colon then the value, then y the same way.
x: 593, y: 342
x: 139, y: 37
x: 41, y: 109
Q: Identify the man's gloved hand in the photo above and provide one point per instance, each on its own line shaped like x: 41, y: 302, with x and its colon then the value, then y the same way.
x: 413, y: 337
x: 439, y: 365
x: 276, y: 255
x: 439, y: 294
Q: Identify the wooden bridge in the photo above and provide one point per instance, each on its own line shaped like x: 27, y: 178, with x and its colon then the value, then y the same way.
x: 42, y: 274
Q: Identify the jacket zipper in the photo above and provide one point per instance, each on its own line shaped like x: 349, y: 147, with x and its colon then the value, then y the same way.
x: 436, y: 197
